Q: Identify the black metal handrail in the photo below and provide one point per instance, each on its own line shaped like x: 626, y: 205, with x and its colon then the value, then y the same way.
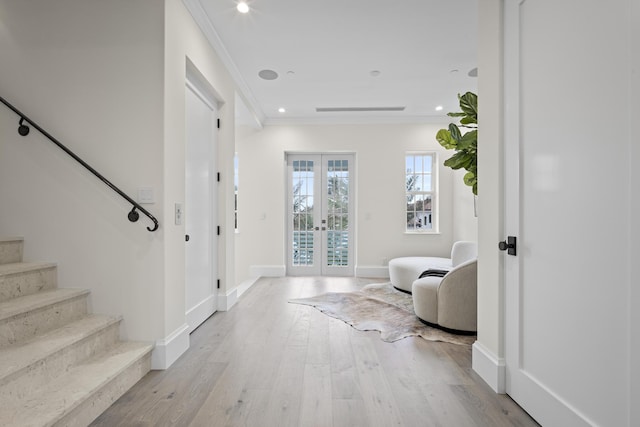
x: 23, y: 130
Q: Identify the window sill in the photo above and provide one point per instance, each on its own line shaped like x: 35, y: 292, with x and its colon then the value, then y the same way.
x: 422, y: 233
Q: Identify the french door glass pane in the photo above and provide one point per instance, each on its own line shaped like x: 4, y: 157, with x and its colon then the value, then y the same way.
x: 303, y: 237
x: 338, y: 213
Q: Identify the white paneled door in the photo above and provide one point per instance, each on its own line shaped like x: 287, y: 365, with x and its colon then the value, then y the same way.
x: 320, y: 228
x: 200, y: 208
x: 567, y: 193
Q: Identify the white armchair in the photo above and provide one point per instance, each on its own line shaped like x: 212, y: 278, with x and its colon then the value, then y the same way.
x: 449, y: 302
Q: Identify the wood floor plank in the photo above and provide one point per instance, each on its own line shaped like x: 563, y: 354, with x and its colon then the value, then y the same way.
x: 349, y: 413
x: 269, y: 363
x: 316, y: 408
x: 379, y: 402
x: 286, y: 397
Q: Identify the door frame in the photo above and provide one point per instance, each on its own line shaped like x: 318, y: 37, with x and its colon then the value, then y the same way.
x: 323, y: 269
x: 204, y: 309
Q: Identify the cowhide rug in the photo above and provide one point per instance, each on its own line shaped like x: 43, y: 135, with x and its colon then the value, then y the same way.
x: 380, y: 307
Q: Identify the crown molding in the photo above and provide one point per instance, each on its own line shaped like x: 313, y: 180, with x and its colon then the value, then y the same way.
x: 199, y: 15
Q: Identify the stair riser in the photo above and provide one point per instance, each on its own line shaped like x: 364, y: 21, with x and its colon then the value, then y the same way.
x: 10, y: 251
x: 32, y: 378
x: 27, y: 283
x: 27, y: 325
x: 92, y: 407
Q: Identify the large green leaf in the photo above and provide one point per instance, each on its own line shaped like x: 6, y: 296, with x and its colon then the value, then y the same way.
x: 468, y: 120
x: 469, y: 104
x: 468, y: 141
x: 455, y: 132
x: 469, y: 178
x: 446, y: 140
x: 459, y: 160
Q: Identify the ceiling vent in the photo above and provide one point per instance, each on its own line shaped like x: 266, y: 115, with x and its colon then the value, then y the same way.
x: 356, y: 109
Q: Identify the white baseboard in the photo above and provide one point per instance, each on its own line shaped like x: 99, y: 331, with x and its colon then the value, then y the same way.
x: 244, y: 286
x: 228, y: 300
x: 373, y: 271
x: 167, y: 350
x: 267, y: 271
x: 200, y: 312
x: 491, y: 369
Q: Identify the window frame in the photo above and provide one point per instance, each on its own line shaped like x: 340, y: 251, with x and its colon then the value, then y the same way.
x: 236, y: 185
x: 433, y: 192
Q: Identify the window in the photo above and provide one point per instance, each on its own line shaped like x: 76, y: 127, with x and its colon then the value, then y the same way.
x: 235, y: 184
x: 421, y: 192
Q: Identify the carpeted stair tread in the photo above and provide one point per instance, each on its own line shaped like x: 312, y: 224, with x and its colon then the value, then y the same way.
x: 18, y: 357
x: 61, y: 396
x: 24, y: 304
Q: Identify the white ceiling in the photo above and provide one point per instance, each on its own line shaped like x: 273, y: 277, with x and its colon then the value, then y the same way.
x: 325, y: 50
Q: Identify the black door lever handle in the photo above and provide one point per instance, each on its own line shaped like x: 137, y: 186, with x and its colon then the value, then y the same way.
x: 509, y: 245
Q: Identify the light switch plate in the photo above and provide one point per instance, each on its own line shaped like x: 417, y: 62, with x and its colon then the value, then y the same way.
x: 145, y: 195
x: 179, y: 213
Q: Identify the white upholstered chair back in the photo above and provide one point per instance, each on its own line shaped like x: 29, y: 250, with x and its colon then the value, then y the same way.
x: 463, y: 251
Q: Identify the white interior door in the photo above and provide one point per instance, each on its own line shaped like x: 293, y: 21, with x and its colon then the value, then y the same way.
x: 320, y: 214
x: 200, y: 208
x: 566, y: 288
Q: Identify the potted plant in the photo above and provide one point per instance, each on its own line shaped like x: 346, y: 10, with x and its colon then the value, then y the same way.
x: 465, y: 145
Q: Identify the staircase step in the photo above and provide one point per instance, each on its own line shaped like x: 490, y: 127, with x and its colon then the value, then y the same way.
x: 10, y: 250
x: 26, y: 278
x: 28, y: 366
x: 84, y: 392
x: 25, y: 317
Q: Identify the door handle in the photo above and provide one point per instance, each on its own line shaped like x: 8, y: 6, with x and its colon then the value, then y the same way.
x: 186, y: 237
x: 509, y: 245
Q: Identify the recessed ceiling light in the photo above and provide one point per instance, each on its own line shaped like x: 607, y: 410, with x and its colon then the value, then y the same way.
x: 439, y: 108
x: 268, y: 74
x: 281, y: 110
x: 374, y: 73
x: 242, y: 7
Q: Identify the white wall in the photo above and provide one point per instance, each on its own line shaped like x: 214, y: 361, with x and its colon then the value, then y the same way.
x: 98, y: 90
x: 185, y: 44
x: 380, y: 151
x: 490, y: 199
x: 108, y: 79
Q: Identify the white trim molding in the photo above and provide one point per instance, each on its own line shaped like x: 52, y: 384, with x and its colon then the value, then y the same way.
x: 267, y: 271
x: 378, y: 272
x: 244, y: 286
x: 228, y: 300
x: 492, y: 369
x: 169, y: 349
x: 200, y: 312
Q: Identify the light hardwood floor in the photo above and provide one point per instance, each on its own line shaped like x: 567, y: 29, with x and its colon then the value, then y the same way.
x: 267, y: 363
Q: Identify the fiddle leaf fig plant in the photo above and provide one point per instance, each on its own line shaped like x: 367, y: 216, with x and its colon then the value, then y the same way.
x: 465, y: 145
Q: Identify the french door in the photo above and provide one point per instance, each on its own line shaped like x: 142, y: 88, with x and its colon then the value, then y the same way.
x: 320, y: 189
